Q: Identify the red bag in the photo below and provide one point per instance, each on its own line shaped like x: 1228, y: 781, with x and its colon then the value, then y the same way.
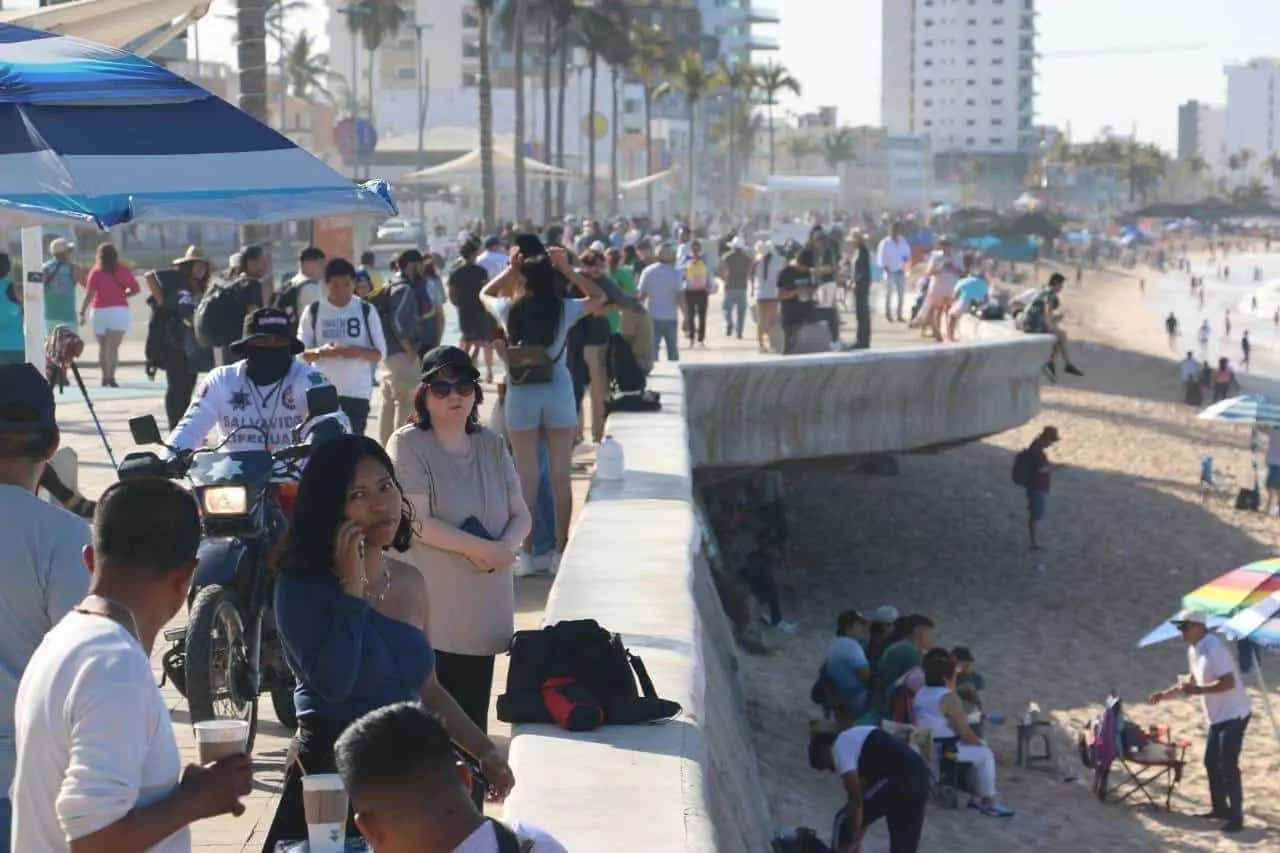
x: 571, y: 705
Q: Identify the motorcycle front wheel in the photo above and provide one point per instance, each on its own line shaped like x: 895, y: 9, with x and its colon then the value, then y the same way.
x: 215, y: 665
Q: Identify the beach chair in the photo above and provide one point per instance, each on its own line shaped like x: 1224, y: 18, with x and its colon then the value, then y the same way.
x: 1149, y: 767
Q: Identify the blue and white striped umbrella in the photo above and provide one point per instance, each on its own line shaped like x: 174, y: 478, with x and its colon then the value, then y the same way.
x: 1252, y: 409
x: 95, y: 135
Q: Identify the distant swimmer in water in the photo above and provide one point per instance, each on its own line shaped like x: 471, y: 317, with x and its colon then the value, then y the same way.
x: 1203, y: 337
x: 1255, y: 304
x: 1245, y: 349
x: 1226, y: 324
x: 1276, y: 319
x: 1171, y: 328
x: 1257, y: 276
x: 1202, y: 296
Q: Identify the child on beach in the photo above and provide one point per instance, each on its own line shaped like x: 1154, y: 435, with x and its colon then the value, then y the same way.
x: 969, y: 684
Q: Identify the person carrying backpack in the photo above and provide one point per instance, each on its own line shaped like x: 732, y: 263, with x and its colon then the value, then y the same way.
x: 305, y: 288
x: 410, y: 791
x: 1032, y: 471
x: 224, y: 305
x: 412, y: 310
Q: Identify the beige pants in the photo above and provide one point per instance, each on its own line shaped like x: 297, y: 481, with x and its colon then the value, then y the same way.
x: 597, y: 358
x: 398, y: 379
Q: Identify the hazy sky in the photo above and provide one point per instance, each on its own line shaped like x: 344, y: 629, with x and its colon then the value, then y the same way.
x: 837, y: 56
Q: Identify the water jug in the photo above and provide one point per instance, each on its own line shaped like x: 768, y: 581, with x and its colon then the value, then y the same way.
x: 610, y: 461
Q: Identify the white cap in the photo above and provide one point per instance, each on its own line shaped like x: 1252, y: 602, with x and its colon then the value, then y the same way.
x: 1189, y: 617
x: 737, y: 243
x: 60, y: 245
x: 886, y: 614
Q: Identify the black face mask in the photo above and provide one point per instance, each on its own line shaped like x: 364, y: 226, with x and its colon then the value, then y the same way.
x: 267, y: 365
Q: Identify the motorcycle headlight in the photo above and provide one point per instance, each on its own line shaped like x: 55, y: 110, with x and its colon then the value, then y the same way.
x: 225, y: 500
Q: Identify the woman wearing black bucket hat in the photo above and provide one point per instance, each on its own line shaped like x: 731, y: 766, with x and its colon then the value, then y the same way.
x: 470, y: 522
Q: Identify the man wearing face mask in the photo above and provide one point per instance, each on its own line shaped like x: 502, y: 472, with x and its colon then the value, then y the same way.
x: 268, y: 389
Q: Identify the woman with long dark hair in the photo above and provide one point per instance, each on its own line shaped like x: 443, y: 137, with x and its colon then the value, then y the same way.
x: 540, y: 399
x: 108, y: 288
x: 471, y: 522
x: 353, y: 622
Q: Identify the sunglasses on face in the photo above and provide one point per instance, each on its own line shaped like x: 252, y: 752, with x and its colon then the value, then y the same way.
x: 441, y: 388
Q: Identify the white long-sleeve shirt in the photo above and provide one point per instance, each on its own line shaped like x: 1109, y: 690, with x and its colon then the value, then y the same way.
x: 228, y: 400
x: 893, y: 255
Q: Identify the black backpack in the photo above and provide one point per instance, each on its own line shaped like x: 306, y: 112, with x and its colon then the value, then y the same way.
x: 1023, y: 468
x: 219, y: 318
x: 823, y: 689
x: 287, y: 299
x: 592, y: 659
x: 384, y: 305
x: 508, y: 841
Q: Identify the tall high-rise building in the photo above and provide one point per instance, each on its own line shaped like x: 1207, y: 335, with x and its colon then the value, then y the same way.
x: 962, y: 72
x: 1202, y: 131
x: 1253, y: 101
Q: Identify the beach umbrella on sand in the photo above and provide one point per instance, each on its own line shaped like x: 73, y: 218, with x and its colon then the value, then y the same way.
x: 1256, y: 410
x: 1228, y: 598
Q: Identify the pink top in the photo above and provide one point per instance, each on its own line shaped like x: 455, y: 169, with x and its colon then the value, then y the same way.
x: 111, y: 290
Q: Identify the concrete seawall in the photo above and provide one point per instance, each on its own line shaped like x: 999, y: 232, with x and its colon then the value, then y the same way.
x: 635, y: 564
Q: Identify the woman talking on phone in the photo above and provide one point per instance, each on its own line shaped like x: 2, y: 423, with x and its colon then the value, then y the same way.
x: 353, y: 622
x: 540, y: 399
x: 470, y: 522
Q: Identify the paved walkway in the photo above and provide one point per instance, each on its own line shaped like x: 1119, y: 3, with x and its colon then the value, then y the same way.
x: 138, y: 395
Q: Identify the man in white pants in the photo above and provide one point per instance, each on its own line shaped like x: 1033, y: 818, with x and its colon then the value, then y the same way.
x: 893, y: 255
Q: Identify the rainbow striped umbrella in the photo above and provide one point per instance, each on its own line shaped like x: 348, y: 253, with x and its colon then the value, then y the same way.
x: 1238, y: 588
x: 1260, y: 622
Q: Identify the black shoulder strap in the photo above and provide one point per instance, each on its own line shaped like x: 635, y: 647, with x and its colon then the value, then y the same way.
x: 642, y: 675
x: 314, y: 311
x: 365, y: 308
x: 508, y: 841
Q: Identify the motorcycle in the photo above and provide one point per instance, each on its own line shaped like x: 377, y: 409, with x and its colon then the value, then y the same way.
x: 229, y: 652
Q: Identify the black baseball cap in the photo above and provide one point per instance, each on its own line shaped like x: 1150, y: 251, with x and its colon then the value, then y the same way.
x: 447, y: 356
x: 270, y: 323
x: 26, y: 400
x: 492, y: 242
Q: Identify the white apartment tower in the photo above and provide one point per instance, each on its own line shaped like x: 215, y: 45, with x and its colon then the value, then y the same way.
x: 961, y: 71
x: 1253, y: 101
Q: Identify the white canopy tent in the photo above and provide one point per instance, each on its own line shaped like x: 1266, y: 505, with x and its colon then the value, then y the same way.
x: 641, y: 183
x: 116, y: 23
x: 467, y: 168
x: 825, y: 187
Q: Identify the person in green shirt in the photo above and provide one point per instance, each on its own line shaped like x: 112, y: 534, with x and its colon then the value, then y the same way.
x: 915, y: 637
x: 61, y: 277
x: 626, y: 279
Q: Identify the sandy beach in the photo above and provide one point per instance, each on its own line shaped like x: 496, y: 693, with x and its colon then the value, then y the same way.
x: 1126, y: 537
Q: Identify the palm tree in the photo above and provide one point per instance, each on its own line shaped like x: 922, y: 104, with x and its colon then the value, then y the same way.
x: 1252, y: 193
x: 648, y: 64
x: 746, y: 125
x: 306, y: 70
x: 838, y: 147
x: 521, y: 13
x: 799, y: 147
x: 773, y: 81
x: 251, y: 57
x: 694, y: 80
x: 740, y: 79
x: 275, y: 14
x: 484, y: 12
x: 1197, y: 165
x: 1272, y: 164
x: 515, y: 19
x: 618, y: 52
x: 597, y: 31
x: 381, y: 19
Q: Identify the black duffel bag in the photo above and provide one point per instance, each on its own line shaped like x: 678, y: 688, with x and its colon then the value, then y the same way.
x: 594, y: 660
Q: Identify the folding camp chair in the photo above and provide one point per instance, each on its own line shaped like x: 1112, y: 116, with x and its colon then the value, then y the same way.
x: 1149, y: 772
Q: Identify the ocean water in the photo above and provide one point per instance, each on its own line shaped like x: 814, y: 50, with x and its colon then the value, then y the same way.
x: 1171, y: 291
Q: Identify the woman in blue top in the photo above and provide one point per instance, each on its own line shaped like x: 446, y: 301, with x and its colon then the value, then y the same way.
x: 352, y: 621
x: 540, y: 316
x: 11, y: 334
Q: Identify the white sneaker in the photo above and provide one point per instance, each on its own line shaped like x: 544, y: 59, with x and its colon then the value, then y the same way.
x: 524, y: 566
x: 785, y: 627
x: 555, y: 563
x: 542, y: 562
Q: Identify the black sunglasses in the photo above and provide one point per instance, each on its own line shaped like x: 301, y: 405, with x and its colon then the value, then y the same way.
x: 441, y: 388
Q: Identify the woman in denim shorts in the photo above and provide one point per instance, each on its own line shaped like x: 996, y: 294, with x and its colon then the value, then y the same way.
x: 538, y: 315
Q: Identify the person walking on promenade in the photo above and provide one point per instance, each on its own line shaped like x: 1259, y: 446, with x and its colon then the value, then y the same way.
x: 698, y: 287
x: 1215, y: 678
x: 660, y: 291
x: 893, y: 255
x: 735, y: 269
x: 61, y: 278
x: 862, y: 290
x: 415, y: 308
x: 109, y: 287
x: 171, y: 337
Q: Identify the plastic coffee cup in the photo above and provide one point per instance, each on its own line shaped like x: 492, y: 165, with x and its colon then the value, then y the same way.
x: 324, y: 799
x: 218, y: 739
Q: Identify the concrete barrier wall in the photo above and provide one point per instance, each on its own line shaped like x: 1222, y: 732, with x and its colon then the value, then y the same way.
x: 753, y: 413
x: 635, y: 563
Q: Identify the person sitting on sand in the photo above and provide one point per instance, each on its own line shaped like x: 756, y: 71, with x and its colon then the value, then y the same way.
x: 1044, y: 317
x: 883, y: 777
x: 913, y: 636
x: 969, y: 684
x: 1224, y: 381
x: 847, y: 668
x: 938, y: 707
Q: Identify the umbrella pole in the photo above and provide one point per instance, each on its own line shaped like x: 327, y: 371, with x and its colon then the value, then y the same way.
x: 1266, y: 700
x: 32, y: 285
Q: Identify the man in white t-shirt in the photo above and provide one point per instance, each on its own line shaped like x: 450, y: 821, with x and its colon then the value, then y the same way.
x: 98, y: 767
x: 410, y: 792
x: 43, y: 573
x: 893, y: 256
x: 1216, y: 680
x: 343, y: 337
x: 304, y: 287
x: 493, y: 259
